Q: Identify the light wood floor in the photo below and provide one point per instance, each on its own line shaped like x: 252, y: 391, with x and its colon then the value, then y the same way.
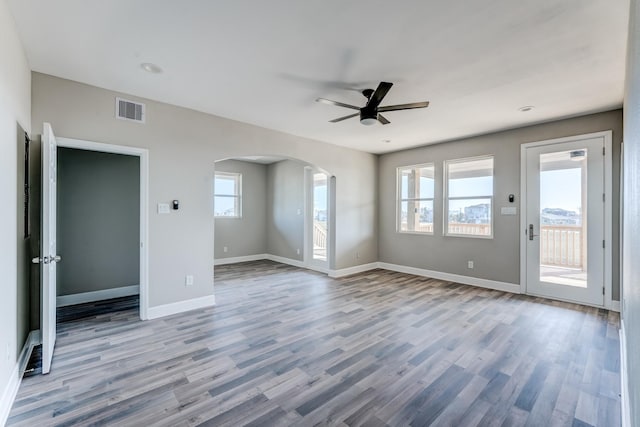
x: 286, y: 346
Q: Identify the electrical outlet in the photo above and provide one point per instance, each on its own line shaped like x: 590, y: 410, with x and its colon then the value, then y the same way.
x: 188, y: 280
x: 225, y: 249
x: 357, y: 255
x: 469, y: 264
x: 299, y: 212
x: 298, y: 251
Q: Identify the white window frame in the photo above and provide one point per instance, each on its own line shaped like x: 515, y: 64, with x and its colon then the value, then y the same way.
x: 399, y: 198
x: 237, y: 177
x: 447, y: 198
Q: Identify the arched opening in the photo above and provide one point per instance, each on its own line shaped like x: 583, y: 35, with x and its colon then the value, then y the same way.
x: 276, y: 208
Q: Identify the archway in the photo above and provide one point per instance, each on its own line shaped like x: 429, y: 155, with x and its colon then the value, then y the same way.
x: 273, y: 207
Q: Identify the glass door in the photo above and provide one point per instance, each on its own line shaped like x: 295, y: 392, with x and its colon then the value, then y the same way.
x: 320, y: 214
x: 565, y: 221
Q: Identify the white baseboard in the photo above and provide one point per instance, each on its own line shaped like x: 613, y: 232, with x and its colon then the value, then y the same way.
x: 11, y: 389
x: 81, y: 298
x: 614, y: 306
x: 457, y: 278
x: 180, y: 306
x: 353, y: 270
x: 283, y: 260
x: 236, y: 259
x: 624, y: 378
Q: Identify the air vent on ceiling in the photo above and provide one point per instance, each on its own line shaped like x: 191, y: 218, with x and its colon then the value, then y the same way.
x: 129, y: 110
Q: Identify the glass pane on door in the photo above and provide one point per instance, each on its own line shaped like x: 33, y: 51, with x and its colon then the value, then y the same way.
x: 320, y: 216
x: 563, y: 218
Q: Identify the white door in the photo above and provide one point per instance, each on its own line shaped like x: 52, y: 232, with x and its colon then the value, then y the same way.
x: 564, y: 212
x: 48, y: 255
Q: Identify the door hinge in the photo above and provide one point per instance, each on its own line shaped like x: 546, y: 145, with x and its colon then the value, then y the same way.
x: 603, y: 197
x: 603, y: 290
x: 603, y: 244
x: 603, y: 151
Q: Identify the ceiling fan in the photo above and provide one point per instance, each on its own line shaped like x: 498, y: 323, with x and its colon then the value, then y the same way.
x: 370, y: 113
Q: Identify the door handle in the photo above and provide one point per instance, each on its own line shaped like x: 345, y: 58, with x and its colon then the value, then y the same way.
x: 531, y: 235
x: 46, y: 260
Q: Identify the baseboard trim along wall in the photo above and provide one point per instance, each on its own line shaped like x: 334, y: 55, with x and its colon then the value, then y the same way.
x: 11, y: 389
x: 615, y: 306
x: 283, y: 260
x: 624, y: 379
x: 466, y: 280
x: 180, y: 306
x: 236, y: 259
x: 81, y: 298
x: 353, y: 270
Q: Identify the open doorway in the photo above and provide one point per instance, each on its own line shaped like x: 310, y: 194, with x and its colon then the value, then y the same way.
x: 98, y: 228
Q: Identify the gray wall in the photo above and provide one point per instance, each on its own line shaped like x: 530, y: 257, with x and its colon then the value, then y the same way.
x: 498, y: 258
x: 285, y: 226
x: 631, y: 214
x: 183, y: 145
x: 98, y: 221
x: 15, y: 108
x: 246, y: 235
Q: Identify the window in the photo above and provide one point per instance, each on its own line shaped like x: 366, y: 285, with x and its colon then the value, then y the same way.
x: 469, y: 197
x: 415, y: 199
x: 227, y: 201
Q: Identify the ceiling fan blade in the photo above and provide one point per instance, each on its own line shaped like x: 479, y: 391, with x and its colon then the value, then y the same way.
x: 380, y: 93
x: 343, y: 118
x: 382, y: 119
x: 404, y: 106
x: 339, y: 104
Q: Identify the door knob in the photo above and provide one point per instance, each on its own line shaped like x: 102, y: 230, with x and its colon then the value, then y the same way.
x: 38, y: 260
x: 531, y: 235
x: 56, y: 258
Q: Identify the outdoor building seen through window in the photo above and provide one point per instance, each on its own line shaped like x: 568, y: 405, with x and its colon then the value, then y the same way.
x: 469, y: 197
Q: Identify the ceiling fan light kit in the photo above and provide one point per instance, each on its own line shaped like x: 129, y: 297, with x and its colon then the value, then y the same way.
x: 370, y: 113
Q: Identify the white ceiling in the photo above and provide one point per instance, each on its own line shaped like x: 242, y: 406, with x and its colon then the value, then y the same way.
x: 265, y: 62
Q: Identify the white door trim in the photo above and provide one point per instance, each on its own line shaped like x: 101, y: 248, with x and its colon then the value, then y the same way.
x: 608, y: 207
x: 144, y: 204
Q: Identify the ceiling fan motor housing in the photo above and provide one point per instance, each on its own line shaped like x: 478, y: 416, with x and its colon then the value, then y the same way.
x: 368, y: 116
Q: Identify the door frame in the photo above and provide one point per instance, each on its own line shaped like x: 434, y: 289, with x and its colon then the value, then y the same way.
x: 143, y: 154
x: 607, y: 137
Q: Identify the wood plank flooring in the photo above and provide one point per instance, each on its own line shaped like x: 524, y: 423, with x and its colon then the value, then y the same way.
x: 291, y: 347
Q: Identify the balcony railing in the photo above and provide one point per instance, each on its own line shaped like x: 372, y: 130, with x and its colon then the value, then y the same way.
x: 561, y: 245
x: 320, y: 240
x: 469, y: 229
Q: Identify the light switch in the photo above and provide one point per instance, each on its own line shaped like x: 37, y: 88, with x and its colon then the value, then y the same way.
x: 509, y: 210
x: 163, y: 208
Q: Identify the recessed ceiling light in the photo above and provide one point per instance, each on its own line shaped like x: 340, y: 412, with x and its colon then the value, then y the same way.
x: 151, y: 68
x: 386, y: 141
x: 526, y: 108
